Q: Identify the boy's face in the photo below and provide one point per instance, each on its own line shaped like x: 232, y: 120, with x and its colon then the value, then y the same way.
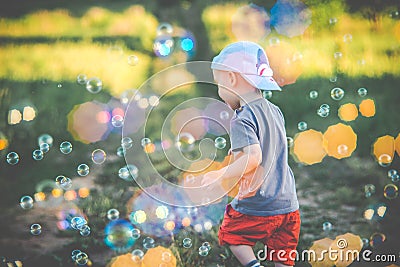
x: 225, y: 88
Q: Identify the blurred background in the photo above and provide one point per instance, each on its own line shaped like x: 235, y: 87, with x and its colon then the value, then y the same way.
x: 69, y: 69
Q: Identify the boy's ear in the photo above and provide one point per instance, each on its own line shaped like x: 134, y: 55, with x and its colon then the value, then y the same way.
x: 232, y: 78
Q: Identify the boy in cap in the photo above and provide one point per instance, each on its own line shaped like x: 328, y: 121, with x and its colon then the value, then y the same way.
x: 266, y: 208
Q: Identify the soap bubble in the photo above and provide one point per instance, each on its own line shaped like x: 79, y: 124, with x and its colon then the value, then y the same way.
x: 66, y: 183
x: 203, y: 251
x: 126, y: 142
x: 390, y: 191
x: 37, y: 154
x: 99, y: 156
x: 391, y: 173
x: 333, y: 21
x: 118, y: 235
x: 337, y: 55
x: 120, y: 151
x: 133, y: 60
x: 224, y: 115
x: 145, y: 141
x: 207, y: 245
x: 82, y: 258
x: 313, y: 94
x: 187, y: 242
x: 333, y: 79
x: 166, y: 256
x: 164, y: 28
x: 82, y: 169
x: 135, y: 233
x: 36, y: 229
x: 26, y: 202
x: 77, y: 223
x: 45, y: 138
x: 342, y: 149
x: 220, y: 142
x: 137, y: 255
x: 290, y: 141
x: 59, y: 178
x: 117, y: 121
x: 347, y: 38
x: 66, y: 147
x: 362, y: 92
x: 326, y: 226
x: 112, y: 214
x: 148, y: 242
x: 59, y: 85
x: 44, y: 147
x: 395, y: 178
x: 74, y: 253
x: 323, y: 110
x: 302, y: 126
x: 81, y: 79
x: 185, y: 142
x: 94, y: 85
x: 12, y: 158
x: 267, y: 94
x: 384, y: 160
x: 123, y: 173
x: 85, y: 230
x: 369, y: 189
x: 337, y: 93
x: 377, y: 239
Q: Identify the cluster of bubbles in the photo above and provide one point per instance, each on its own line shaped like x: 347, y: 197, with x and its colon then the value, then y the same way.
x: 393, y: 175
x: 79, y: 257
x: 80, y: 224
x: 267, y: 94
x: 164, y: 43
x: 204, y: 249
x: 128, y: 173
x: 93, y: 85
x: 63, y: 182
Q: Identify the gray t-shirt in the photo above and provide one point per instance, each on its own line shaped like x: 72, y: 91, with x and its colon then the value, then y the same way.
x: 270, y: 189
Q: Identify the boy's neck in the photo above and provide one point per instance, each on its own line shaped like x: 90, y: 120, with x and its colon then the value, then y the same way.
x: 251, y: 96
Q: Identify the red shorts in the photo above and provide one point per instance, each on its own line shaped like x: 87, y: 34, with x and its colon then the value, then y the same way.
x: 280, y: 233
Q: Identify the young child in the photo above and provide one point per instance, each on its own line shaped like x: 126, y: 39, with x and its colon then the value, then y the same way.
x: 266, y: 207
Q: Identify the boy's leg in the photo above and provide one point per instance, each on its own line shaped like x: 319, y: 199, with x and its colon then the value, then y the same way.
x: 244, y: 254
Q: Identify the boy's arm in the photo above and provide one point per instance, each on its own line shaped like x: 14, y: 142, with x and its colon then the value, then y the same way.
x: 247, y: 161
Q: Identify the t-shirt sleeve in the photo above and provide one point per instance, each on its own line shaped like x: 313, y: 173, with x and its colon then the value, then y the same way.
x: 243, y: 133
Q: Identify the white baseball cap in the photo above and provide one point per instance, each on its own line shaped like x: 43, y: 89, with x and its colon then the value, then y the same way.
x: 248, y: 59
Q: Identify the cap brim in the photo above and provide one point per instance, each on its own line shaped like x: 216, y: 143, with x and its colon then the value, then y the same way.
x: 262, y: 82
